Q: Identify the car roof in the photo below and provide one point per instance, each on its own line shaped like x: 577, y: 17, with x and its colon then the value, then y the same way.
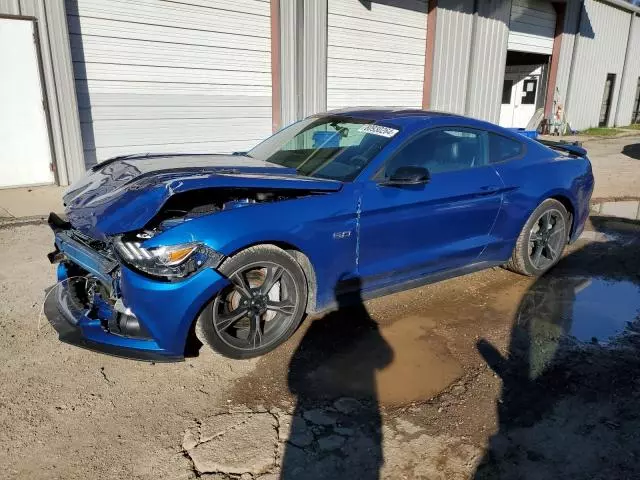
x: 378, y: 113
x: 407, y: 116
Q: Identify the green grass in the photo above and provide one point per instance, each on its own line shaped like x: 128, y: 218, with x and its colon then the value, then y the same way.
x: 602, y: 132
x: 635, y: 126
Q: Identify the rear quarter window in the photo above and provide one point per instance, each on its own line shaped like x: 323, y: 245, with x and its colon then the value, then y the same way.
x: 502, y: 149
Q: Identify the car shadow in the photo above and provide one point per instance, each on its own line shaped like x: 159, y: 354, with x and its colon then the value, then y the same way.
x: 632, y: 151
x: 336, y: 426
x: 568, y: 406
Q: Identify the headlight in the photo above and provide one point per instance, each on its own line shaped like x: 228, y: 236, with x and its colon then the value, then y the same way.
x: 169, y: 262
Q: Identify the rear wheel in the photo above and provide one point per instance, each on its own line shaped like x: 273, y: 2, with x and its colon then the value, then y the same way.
x: 260, y: 309
x: 542, y: 239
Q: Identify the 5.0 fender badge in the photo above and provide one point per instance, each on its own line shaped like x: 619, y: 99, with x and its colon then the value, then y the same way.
x: 341, y: 235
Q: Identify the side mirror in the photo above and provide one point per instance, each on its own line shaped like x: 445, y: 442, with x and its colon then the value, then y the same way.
x: 408, y: 176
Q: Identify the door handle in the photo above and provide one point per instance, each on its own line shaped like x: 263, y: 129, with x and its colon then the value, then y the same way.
x: 487, y: 189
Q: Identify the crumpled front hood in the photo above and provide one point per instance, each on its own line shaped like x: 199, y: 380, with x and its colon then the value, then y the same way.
x: 124, y: 194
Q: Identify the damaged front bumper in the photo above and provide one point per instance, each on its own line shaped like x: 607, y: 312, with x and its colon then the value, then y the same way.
x: 102, y: 305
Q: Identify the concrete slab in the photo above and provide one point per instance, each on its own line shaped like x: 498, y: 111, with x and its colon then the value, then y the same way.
x: 4, y: 213
x: 30, y: 201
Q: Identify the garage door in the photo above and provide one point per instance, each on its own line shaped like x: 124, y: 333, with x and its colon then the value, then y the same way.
x: 160, y: 76
x: 375, y: 53
x: 532, y: 26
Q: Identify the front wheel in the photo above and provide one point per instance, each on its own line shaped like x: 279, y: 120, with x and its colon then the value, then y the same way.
x: 542, y: 239
x: 260, y: 309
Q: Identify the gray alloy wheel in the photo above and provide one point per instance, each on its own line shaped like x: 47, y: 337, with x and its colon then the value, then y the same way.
x: 260, y: 309
x: 542, y: 239
x: 547, y: 238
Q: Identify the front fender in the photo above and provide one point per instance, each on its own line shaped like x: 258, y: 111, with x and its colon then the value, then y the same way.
x: 314, y: 225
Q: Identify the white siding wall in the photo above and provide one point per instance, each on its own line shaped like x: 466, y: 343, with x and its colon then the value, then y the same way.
x: 532, y: 26
x: 376, y: 53
x: 155, y: 76
x: 488, y: 58
x: 601, y: 49
x: 629, y: 87
x: 454, y: 30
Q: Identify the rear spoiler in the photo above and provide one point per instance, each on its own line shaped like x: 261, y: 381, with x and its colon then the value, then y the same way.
x: 572, y: 148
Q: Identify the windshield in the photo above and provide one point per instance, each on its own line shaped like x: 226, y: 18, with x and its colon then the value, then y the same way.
x: 333, y: 147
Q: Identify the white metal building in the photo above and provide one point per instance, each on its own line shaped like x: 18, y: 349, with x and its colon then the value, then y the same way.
x: 84, y: 80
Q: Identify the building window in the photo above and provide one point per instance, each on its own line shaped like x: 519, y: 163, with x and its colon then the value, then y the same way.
x: 507, y: 88
x: 529, y: 88
x: 635, y: 118
x: 607, y: 97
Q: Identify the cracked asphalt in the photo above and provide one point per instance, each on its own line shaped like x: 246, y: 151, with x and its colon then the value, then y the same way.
x: 491, y: 375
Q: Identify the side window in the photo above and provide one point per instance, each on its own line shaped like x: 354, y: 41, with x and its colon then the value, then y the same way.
x: 442, y: 150
x: 529, y: 89
x: 502, y: 148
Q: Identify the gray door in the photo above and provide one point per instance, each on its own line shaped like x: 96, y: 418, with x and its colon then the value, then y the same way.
x: 605, y: 108
x: 635, y: 117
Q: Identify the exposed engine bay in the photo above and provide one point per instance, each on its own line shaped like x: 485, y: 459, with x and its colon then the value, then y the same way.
x: 193, y: 204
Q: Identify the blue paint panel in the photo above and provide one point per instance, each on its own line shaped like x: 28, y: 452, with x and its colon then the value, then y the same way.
x: 443, y: 224
x: 167, y: 309
x: 386, y: 235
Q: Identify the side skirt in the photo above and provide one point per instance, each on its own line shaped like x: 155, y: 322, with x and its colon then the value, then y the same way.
x: 350, y: 295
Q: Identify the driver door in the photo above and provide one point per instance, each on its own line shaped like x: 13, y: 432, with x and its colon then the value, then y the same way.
x: 412, y: 230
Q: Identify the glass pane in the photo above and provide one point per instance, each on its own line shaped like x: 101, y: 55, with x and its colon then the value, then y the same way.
x: 327, y: 147
x: 441, y: 151
x: 503, y: 148
x: 507, y: 87
x: 529, y: 89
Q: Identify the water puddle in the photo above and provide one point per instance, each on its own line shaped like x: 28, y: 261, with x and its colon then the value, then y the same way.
x: 592, y: 310
x: 409, y: 362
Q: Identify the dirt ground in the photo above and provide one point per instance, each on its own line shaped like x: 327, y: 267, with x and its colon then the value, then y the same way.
x: 615, y: 166
x: 491, y: 375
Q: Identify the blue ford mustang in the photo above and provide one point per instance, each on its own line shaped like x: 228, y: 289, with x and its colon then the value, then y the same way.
x: 237, y: 248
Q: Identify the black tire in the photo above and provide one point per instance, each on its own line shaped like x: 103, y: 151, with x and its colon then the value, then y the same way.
x: 267, y: 322
x: 539, y: 248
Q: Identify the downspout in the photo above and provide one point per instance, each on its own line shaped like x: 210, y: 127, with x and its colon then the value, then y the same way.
x: 276, y: 115
x: 555, y: 59
x: 471, y: 62
x: 573, y: 61
x: 299, y: 66
x: 429, y: 54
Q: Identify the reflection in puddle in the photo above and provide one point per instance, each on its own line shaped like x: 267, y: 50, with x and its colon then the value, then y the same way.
x: 589, y: 309
x: 629, y: 209
x: 604, y: 309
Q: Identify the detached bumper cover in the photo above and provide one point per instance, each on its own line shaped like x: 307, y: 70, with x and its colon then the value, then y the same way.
x: 164, y: 310
x: 74, y: 328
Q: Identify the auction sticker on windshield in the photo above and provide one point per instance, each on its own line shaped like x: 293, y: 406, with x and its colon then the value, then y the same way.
x: 378, y: 130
